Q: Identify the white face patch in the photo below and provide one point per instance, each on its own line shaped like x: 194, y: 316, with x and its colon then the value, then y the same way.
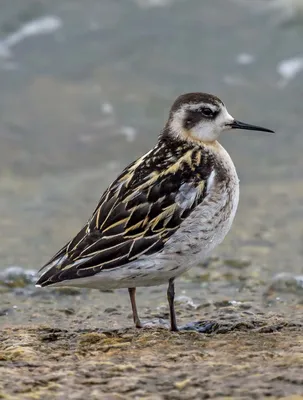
x: 207, y: 130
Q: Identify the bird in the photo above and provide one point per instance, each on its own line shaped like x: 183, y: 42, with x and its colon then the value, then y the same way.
x: 163, y: 214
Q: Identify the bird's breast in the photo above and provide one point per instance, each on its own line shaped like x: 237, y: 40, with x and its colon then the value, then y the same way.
x: 211, y: 220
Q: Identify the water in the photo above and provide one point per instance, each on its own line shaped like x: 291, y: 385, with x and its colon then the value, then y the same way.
x: 85, y: 89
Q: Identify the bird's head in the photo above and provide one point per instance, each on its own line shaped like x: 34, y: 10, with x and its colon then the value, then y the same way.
x: 202, y: 117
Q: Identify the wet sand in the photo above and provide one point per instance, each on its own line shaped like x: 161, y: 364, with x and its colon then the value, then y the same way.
x: 255, y: 358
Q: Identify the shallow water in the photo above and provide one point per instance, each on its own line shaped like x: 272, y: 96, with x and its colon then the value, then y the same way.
x: 86, y: 88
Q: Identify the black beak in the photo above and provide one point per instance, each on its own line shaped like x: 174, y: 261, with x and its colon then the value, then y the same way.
x: 242, y: 125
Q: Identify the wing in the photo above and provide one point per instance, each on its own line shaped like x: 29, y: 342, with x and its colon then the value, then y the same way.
x: 136, y: 215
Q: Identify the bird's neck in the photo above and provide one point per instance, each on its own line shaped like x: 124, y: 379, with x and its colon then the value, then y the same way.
x: 186, y: 140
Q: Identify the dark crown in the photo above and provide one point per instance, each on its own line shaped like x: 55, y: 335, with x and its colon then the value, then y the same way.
x: 195, y: 98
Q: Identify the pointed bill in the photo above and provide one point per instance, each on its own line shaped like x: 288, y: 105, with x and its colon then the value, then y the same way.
x: 243, y: 125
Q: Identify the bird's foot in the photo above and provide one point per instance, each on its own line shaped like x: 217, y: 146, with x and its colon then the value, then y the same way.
x: 200, y: 326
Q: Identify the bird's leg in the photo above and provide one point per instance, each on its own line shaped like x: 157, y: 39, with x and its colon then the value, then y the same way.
x: 198, y: 326
x: 138, y: 323
x: 171, y: 298
x: 132, y: 295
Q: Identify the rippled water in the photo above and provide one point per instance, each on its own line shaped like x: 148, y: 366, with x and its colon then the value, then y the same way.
x: 86, y: 87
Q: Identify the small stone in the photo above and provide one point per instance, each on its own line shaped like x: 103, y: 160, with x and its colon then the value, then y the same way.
x: 110, y: 310
x: 17, y: 277
x: 186, y: 301
x: 180, y: 385
x: 285, y: 283
x: 67, y: 311
x: 5, y: 311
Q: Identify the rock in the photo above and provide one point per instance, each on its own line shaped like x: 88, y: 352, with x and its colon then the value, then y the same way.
x: 17, y: 277
x: 182, y: 384
x: 285, y: 283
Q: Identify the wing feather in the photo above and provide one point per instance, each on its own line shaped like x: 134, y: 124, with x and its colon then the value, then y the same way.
x: 136, y: 215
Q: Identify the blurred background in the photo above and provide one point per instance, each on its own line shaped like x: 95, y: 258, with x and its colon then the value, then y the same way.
x: 85, y: 88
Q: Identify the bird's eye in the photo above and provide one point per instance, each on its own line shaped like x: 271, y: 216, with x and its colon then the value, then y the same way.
x: 207, y: 112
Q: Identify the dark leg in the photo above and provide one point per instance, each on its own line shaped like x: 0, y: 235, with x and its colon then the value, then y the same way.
x: 198, y: 326
x: 132, y: 295
x: 171, y: 298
